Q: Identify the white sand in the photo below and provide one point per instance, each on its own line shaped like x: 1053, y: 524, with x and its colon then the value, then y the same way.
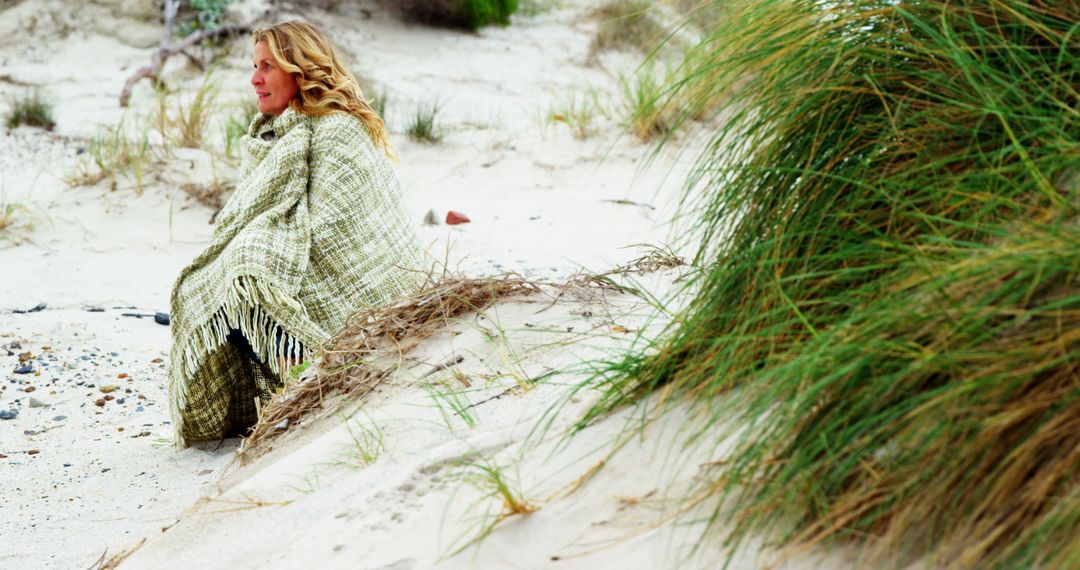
x: 542, y: 204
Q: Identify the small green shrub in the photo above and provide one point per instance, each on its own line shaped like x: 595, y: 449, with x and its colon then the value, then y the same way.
x: 202, y: 15
x: 31, y: 110
x: 467, y: 14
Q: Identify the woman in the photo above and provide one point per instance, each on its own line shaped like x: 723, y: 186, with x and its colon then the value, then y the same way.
x: 314, y: 231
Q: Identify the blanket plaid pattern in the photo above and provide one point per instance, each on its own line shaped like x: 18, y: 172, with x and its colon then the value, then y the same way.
x: 314, y: 231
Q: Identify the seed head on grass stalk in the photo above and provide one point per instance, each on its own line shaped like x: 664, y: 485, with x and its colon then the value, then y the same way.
x: 890, y: 231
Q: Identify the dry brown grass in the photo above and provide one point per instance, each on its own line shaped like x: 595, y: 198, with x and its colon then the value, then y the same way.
x: 373, y: 343
x: 349, y: 362
x: 212, y: 195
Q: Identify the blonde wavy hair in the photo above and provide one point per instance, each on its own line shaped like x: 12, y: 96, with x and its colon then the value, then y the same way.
x: 304, y: 51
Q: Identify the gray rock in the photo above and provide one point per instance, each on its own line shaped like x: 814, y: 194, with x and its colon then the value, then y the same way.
x: 36, y: 403
x: 8, y: 414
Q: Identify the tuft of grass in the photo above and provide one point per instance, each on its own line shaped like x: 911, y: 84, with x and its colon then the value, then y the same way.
x: 626, y: 25
x: 14, y: 220
x: 191, y: 118
x: 890, y: 236
x: 578, y: 112
x: 367, y: 443
x: 32, y: 110
x: 236, y: 126
x: 650, y: 111
x: 465, y: 14
x: 452, y: 403
x: 491, y: 480
x: 378, y: 102
x: 423, y: 127
x: 114, y: 154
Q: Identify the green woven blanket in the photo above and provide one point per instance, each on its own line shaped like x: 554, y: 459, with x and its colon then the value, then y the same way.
x: 314, y: 231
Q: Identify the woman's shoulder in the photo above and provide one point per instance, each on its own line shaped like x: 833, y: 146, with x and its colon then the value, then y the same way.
x: 339, y: 124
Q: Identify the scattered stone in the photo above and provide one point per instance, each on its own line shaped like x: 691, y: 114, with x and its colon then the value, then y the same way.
x: 23, y: 357
x: 99, y: 402
x: 59, y: 418
x: 142, y: 434
x: 430, y: 219
x: 94, y: 309
x: 161, y: 318
x: 25, y: 369
x: 14, y: 345
x: 156, y: 361
x: 36, y: 403
x: 109, y: 398
x: 205, y: 472
x: 8, y: 414
x: 29, y: 432
x: 454, y: 218
x: 282, y: 424
x: 33, y: 452
x: 109, y: 388
x: 122, y: 375
x: 139, y: 409
x: 29, y: 389
x: 120, y: 400
x: 121, y: 428
x: 2, y: 456
x: 36, y: 308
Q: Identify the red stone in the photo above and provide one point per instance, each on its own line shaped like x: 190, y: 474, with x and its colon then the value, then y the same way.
x: 453, y: 218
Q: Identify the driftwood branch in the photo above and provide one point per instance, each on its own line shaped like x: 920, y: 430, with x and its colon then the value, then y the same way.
x: 167, y: 49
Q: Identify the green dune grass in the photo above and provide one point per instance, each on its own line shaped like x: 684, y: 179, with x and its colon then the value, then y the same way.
x: 891, y: 244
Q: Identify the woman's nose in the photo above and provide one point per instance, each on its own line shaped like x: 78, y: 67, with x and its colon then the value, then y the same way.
x: 255, y: 79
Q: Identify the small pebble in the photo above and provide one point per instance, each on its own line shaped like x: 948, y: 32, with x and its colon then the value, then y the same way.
x: 33, y: 452
x: 109, y: 398
x: 122, y: 375
x: 109, y: 388
x: 139, y: 409
x: 25, y: 369
x: 29, y: 389
x: 59, y: 418
x: 99, y: 402
x: 36, y: 403
x: 8, y: 414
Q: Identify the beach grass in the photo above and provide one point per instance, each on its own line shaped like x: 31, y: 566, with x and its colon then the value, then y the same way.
x: 890, y: 233
x: 33, y: 110
x: 116, y: 153
x: 579, y: 111
x: 423, y: 127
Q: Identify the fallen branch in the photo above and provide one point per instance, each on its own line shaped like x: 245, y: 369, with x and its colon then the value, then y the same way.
x: 167, y: 49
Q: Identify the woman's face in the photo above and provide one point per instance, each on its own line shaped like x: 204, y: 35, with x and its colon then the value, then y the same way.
x: 274, y: 86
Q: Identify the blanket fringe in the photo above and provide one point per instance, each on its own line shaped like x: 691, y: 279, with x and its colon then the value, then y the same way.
x: 243, y: 310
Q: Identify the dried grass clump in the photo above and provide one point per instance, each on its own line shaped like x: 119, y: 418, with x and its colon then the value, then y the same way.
x: 212, y: 195
x: 466, y: 14
x: 350, y: 361
x: 891, y: 255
